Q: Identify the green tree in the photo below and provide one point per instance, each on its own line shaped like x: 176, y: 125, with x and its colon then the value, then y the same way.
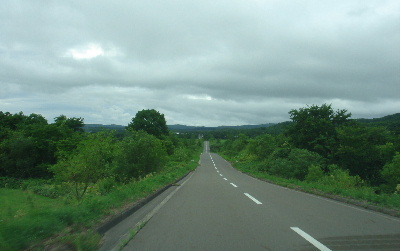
x: 92, y: 161
x: 76, y: 124
x: 314, y: 128
x: 150, y: 121
x: 28, y: 144
x: 139, y: 154
x: 25, y: 149
x: 262, y: 146
x: 11, y: 121
x: 19, y: 156
x: 391, y: 172
x: 363, y: 151
x: 293, y: 163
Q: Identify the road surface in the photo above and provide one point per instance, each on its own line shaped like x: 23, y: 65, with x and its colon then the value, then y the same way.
x: 219, y: 208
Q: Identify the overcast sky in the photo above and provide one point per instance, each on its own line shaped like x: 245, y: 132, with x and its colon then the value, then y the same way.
x: 219, y: 62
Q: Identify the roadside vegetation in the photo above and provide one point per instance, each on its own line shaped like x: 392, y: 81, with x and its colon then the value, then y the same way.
x: 57, y: 182
x: 322, y: 151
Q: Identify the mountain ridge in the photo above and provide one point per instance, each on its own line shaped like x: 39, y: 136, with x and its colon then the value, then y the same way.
x: 391, y: 121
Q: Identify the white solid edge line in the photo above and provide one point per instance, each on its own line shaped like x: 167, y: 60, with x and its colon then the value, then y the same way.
x: 310, y: 239
x: 253, y: 199
x: 233, y: 185
x: 148, y: 216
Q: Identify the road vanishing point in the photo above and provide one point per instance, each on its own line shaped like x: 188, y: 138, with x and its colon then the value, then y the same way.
x: 219, y: 208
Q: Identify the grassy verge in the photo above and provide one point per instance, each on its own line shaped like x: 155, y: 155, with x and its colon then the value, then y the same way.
x: 34, y: 222
x: 360, y: 195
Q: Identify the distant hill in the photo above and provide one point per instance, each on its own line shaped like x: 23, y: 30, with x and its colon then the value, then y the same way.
x: 204, y: 128
x: 389, y: 119
x: 392, y: 122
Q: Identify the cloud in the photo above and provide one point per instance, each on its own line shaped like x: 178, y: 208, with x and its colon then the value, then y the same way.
x: 237, y: 62
x: 88, y: 52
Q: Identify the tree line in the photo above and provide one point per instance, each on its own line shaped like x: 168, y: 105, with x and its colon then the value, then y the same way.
x: 61, y: 151
x: 319, y: 143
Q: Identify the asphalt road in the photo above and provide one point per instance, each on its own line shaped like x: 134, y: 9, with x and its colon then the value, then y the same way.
x: 219, y: 208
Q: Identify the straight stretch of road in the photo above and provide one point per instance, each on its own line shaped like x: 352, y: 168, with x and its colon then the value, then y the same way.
x: 219, y: 208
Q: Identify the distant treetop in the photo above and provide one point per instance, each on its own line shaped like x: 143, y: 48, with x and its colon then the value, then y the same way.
x: 150, y: 121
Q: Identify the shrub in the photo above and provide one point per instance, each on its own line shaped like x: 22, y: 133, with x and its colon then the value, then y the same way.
x: 341, y: 178
x: 280, y: 167
x: 391, y: 172
x: 10, y: 182
x: 139, y: 154
x: 262, y: 147
x: 94, y: 160
x: 181, y: 154
x: 106, y: 185
x: 301, y: 160
x: 315, y: 173
x: 295, y: 165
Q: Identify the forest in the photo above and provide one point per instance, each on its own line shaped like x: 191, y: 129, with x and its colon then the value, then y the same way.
x: 323, y: 149
x: 58, y: 181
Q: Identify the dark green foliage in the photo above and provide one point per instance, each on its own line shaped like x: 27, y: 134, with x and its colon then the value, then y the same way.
x: 88, y: 169
x: 76, y: 124
x: 19, y: 156
x: 314, y: 128
x: 139, y: 154
x: 295, y: 165
x: 10, y: 182
x: 150, y: 121
x: 391, y: 173
x: 11, y: 121
x: 28, y: 144
x: 391, y: 122
x: 92, y: 161
x: 315, y: 173
x: 262, y: 146
x: 360, y: 150
x: 240, y: 143
x: 363, y: 151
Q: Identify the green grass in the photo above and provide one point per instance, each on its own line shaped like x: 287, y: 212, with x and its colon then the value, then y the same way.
x: 361, y: 193
x: 27, y: 219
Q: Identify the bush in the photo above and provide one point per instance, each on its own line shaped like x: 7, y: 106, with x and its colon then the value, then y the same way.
x: 315, y: 173
x: 281, y: 152
x: 49, y: 191
x: 341, y: 178
x: 280, y: 167
x: 262, y: 146
x: 301, y: 160
x: 181, y: 154
x: 106, y: 185
x: 93, y: 160
x: 391, y: 172
x: 296, y: 164
x: 139, y: 154
x: 10, y: 182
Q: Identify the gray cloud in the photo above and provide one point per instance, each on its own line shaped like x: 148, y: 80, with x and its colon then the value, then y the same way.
x: 199, y: 62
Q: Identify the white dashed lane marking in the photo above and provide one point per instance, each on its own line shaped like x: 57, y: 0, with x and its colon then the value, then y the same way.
x: 310, y: 239
x: 253, y: 199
